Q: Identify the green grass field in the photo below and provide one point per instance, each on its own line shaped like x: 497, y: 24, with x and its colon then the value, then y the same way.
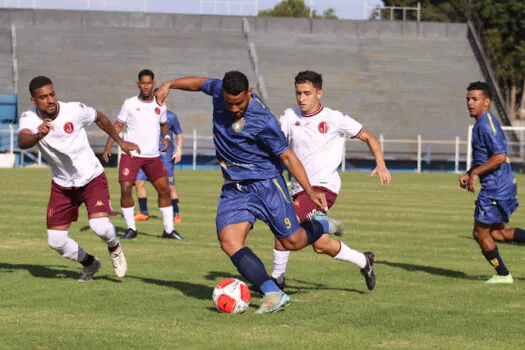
x: 430, y: 290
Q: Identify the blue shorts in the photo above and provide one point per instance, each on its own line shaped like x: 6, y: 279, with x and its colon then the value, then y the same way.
x: 266, y: 200
x: 494, y: 211
x: 168, y: 164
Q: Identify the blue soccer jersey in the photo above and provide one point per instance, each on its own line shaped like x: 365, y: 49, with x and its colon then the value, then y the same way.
x: 248, y: 147
x: 174, y: 129
x: 488, y: 139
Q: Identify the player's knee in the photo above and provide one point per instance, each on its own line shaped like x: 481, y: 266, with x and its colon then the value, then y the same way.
x: 497, y: 235
x: 291, y: 243
x: 104, y: 229
x: 60, y: 242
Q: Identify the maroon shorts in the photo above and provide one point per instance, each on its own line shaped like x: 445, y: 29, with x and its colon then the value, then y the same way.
x: 64, y: 202
x: 129, y: 168
x: 305, y: 208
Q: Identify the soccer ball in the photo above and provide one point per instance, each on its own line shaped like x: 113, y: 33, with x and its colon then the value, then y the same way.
x: 231, y: 296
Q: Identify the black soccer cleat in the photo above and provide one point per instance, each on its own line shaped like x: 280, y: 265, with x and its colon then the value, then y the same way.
x: 173, y: 235
x: 130, y: 234
x: 280, y: 285
x: 368, y: 271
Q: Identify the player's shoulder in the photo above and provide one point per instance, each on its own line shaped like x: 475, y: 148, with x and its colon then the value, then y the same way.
x: 72, y: 105
x: 333, y: 113
x: 30, y: 114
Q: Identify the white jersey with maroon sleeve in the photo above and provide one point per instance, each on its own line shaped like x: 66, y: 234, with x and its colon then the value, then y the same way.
x: 318, y: 141
x: 143, y: 119
x: 66, y: 148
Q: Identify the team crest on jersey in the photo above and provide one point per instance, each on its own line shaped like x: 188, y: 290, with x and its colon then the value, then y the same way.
x: 125, y: 171
x: 297, y: 123
x: 238, y: 125
x: 157, y: 110
x: 69, y: 128
x: 323, y: 127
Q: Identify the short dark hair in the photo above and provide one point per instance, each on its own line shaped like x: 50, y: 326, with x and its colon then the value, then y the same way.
x: 146, y: 72
x: 37, y: 83
x: 481, y: 86
x: 235, y: 82
x: 309, y: 76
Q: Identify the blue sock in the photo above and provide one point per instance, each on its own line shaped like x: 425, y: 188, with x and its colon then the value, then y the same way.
x: 314, y: 230
x: 250, y: 267
x: 143, y: 204
x: 175, y: 205
x: 495, y: 260
x: 269, y: 286
x: 519, y: 235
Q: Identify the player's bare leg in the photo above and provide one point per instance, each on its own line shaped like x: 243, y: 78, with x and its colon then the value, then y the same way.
x: 128, y: 209
x: 489, y: 249
x: 142, y: 196
x: 500, y: 233
x: 163, y: 189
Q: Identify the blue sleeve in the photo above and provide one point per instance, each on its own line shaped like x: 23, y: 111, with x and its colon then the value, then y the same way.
x: 273, y: 137
x: 173, y: 123
x: 494, y: 139
x: 212, y: 87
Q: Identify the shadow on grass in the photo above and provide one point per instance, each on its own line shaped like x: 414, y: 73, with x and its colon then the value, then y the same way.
x: 122, y: 230
x: 290, y: 289
x: 193, y: 290
x: 437, y: 271
x: 44, y: 271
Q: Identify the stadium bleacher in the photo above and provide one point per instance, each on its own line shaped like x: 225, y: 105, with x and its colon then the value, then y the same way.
x: 401, y: 79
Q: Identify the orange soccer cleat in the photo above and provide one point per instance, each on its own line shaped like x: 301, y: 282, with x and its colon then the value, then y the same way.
x: 141, y: 217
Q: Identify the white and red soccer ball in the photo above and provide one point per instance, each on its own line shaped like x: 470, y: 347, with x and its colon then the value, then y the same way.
x: 231, y: 296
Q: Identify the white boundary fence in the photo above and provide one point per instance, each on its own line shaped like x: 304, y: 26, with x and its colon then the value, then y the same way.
x: 202, y: 145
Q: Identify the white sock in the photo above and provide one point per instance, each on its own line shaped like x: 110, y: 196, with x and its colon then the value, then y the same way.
x: 348, y: 254
x: 65, y: 246
x: 280, y: 260
x: 105, y: 230
x: 129, y: 216
x: 167, y: 217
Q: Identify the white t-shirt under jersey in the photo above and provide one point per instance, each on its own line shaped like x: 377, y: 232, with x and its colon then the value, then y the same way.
x: 318, y: 141
x: 66, y: 148
x: 143, y: 119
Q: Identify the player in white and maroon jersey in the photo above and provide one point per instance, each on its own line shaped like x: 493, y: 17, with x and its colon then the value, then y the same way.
x: 58, y: 130
x: 142, y: 116
x: 317, y: 136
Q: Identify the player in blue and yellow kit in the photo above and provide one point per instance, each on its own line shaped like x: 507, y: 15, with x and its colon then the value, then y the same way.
x: 497, y: 199
x: 169, y: 158
x: 251, y: 148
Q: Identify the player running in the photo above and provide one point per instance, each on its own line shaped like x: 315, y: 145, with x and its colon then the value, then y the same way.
x: 142, y: 115
x: 58, y: 130
x: 251, y: 148
x: 316, y: 134
x: 168, y: 159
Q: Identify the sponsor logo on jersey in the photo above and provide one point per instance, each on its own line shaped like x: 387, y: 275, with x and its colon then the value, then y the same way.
x: 297, y: 123
x: 323, y: 127
x: 125, y: 171
x: 99, y: 204
x: 238, y: 125
x: 69, y: 128
x: 157, y: 110
x: 50, y: 212
x: 138, y: 109
x: 81, y: 105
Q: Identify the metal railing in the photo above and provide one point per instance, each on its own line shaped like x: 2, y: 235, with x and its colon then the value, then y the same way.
x: 198, y: 145
x: 392, y: 10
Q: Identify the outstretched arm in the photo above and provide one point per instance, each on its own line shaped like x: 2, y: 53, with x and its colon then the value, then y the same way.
x: 377, y: 152
x: 113, y: 132
x: 186, y: 84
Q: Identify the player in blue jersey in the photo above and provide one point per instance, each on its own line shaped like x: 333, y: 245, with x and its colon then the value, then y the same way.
x: 251, y: 149
x: 497, y: 199
x: 169, y: 158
